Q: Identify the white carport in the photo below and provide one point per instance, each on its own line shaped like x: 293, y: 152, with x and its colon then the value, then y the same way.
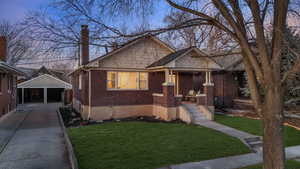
x: 44, y: 82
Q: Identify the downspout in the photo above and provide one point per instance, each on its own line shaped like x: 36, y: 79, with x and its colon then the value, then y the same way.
x: 90, y: 95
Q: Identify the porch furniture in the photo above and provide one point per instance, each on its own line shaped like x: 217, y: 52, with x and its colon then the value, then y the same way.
x: 191, y: 96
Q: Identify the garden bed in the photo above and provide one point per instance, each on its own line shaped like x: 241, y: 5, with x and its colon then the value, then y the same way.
x: 72, y: 118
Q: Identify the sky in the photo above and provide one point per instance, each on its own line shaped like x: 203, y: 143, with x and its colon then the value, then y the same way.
x: 15, y: 10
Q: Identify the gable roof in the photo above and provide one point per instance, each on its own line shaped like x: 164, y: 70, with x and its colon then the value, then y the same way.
x: 167, y: 59
x: 32, y: 73
x: 4, y: 67
x: 130, y: 43
x: 175, y: 55
x: 45, y: 81
x: 230, y: 61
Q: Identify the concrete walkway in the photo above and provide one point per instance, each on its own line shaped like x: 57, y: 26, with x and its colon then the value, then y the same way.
x: 233, y: 162
x: 8, y: 125
x: 38, y: 142
x: 252, y: 141
x: 225, y: 129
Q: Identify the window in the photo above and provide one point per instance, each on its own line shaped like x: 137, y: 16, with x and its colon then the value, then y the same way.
x: 111, y: 80
x: 127, y: 80
x: 80, y: 82
x: 143, y: 80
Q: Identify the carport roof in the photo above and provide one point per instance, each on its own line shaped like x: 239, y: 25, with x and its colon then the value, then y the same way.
x: 45, y: 81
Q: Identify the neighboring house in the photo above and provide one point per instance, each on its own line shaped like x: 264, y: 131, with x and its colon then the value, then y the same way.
x: 8, y: 81
x: 42, y: 85
x: 146, y: 77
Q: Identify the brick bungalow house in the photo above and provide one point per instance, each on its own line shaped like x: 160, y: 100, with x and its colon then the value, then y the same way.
x: 146, y: 77
x: 8, y: 81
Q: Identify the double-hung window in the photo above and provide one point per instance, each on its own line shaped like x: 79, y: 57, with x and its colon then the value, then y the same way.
x: 127, y: 80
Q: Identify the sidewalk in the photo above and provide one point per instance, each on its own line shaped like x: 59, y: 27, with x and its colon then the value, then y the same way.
x: 233, y: 162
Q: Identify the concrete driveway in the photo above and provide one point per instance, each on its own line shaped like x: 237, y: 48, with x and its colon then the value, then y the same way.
x: 38, y: 142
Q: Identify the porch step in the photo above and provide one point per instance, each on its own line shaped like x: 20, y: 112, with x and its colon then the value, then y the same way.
x: 255, y: 143
x: 195, y: 112
x: 252, y: 139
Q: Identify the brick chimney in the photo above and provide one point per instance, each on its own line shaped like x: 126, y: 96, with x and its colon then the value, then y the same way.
x: 84, y: 57
x: 3, y: 48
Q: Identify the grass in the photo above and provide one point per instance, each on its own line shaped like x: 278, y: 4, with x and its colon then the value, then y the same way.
x: 291, y: 135
x: 144, y: 145
x: 290, y: 164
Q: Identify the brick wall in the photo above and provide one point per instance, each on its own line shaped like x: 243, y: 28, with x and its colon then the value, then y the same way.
x: 103, y: 97
x: 225, y: 89
x: 7, y: 99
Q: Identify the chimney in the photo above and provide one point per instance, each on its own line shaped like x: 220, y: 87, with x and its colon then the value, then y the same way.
x: 84, y: 58
x: 3, y: 48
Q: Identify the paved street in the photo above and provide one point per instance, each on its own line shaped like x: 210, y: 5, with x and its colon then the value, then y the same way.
x: 38, y: 141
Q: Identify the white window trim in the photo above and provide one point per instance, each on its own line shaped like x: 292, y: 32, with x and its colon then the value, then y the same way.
x: 137, y: 80
x: 80, y: 82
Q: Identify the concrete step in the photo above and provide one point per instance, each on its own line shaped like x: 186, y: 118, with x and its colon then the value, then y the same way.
x: 255, y: 142
x: 252, y: 139
x: 195, y: 112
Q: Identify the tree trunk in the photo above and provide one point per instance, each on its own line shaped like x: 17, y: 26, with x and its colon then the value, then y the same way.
x: 273, y: 146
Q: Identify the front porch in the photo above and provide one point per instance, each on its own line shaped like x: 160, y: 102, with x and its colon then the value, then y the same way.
x: 187, y: 77
x: 184, y: 87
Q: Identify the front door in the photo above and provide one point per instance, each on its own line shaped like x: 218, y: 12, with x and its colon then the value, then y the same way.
x: 198, y: 82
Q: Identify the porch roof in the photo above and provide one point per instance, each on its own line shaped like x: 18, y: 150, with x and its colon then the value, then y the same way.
x: 194, y: 59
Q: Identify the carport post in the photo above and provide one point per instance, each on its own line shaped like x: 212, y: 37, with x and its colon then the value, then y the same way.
x: 45, y: 95
x: 22, y: 95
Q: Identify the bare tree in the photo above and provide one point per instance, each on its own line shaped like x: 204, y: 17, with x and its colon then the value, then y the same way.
x: 207, y: 37
x: 20, y: 46
x: 245, y: 22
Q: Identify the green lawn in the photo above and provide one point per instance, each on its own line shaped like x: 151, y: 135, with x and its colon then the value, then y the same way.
x: 291, y: 135
x: 144, y: 145
x: 289, y: 165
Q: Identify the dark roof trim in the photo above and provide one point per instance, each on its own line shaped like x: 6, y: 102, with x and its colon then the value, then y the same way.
x: 10, y: 69
x: 129, y: 43
x: 170, y: 57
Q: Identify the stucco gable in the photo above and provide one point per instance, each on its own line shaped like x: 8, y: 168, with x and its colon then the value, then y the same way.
x: 194, y: 59
x: 139, y: 55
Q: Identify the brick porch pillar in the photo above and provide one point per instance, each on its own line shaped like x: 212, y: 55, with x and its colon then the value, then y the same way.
x: 169, y: 95
x: 209, y: 92
x: 169, y: 101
